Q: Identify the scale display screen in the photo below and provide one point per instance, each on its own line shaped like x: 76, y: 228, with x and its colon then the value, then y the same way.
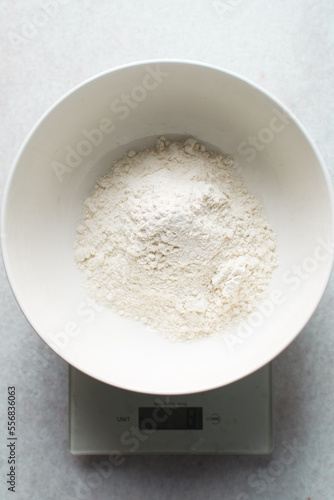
x: 170, y: 418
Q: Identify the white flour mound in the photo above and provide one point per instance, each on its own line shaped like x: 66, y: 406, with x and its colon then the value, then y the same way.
x: 172, y: 238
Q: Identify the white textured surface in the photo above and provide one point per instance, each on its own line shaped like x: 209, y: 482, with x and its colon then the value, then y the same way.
x: 171, y: 237
x: 287, y: 48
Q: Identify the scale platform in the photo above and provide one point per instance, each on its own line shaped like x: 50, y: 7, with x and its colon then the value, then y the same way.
x: 234, y: 419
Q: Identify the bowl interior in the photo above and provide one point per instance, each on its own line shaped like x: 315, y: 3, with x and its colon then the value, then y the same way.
x: 77, y: 141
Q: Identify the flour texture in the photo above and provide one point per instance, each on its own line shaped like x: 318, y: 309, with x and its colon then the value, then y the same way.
x: 171, y: 237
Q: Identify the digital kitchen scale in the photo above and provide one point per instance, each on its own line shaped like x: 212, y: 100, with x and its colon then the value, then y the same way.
x: 234, y: 419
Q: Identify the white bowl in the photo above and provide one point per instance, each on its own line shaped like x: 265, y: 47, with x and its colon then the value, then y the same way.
x: 76, y: 141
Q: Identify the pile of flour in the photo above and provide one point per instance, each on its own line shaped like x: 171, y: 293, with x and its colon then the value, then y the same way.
x: 172, y: 238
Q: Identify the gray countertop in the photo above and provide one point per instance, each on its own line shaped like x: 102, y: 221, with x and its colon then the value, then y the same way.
x: 47, y: 47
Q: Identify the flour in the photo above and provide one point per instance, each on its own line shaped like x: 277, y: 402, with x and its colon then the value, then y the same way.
x: 172, y: 238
